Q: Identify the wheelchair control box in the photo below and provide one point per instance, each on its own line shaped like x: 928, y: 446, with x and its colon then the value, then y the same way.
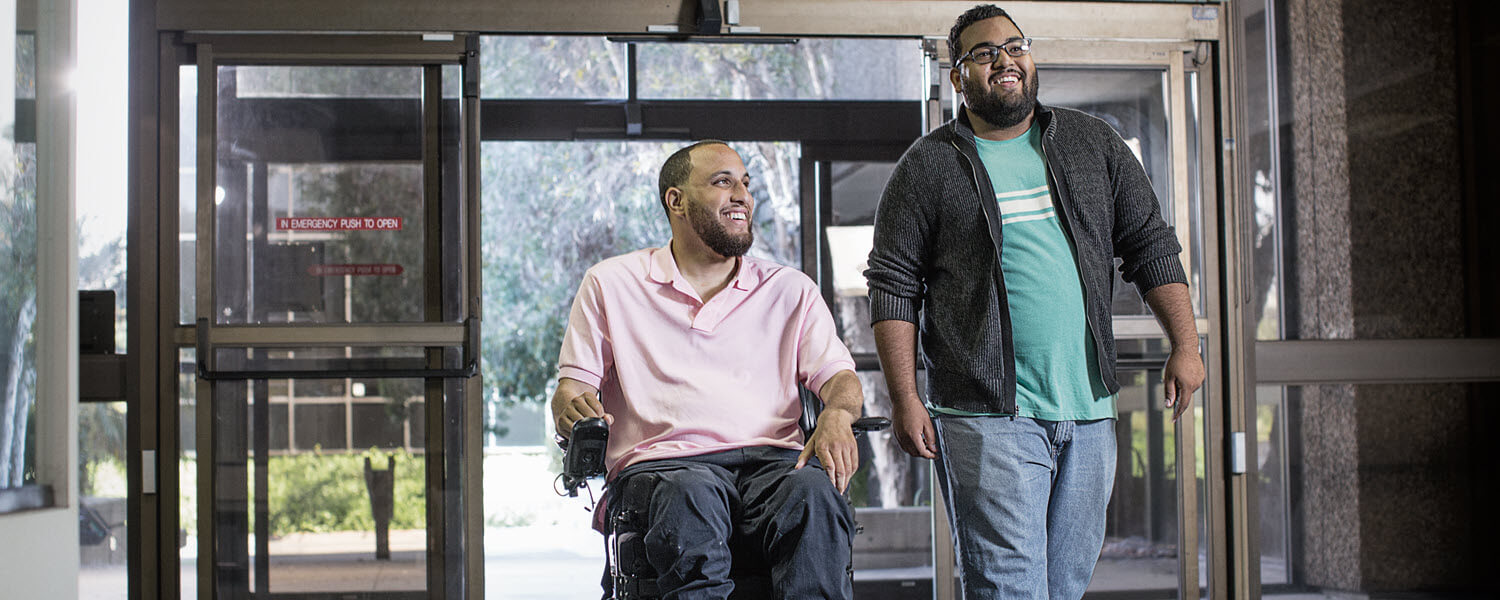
x: 584, y: 457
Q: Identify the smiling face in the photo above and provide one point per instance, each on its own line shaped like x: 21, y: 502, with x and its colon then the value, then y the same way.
x: 715, y: 200
x: 1003, y: 93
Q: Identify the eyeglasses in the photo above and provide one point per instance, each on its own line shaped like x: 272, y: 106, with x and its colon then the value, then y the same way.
x: 987, y: 53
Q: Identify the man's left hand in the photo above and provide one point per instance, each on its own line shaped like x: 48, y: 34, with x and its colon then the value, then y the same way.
x: 832, y: 441
x: 1181, y: 377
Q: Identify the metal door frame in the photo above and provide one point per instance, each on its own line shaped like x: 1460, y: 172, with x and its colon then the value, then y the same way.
x: 1221, y: 406
x: 208, y: 52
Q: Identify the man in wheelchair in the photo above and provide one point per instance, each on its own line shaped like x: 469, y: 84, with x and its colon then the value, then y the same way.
x: 694, y: 354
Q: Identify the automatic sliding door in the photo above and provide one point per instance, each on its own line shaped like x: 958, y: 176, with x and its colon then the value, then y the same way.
x: 334, y: 353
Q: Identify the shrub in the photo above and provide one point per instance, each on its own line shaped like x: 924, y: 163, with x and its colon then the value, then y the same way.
x: 316, y: 492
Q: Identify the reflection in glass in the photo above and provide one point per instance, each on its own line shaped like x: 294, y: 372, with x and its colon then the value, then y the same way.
x: 810, y: 69
x: 1258, y: 147
x: 1272, y: 492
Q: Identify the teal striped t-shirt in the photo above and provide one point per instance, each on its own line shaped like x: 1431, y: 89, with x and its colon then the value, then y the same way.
x: 1057, y: 372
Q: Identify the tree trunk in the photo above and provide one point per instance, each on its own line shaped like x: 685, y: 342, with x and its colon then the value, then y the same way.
x: 14, y: 405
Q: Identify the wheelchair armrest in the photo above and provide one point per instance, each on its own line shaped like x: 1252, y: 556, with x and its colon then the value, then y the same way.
x: 868, y: 424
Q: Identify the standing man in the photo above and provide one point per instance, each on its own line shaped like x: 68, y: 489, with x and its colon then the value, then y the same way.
x: 996, y: 234
x: 694, y: 353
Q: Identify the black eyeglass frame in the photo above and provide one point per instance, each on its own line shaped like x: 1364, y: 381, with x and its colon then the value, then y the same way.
x: 1014, y: 47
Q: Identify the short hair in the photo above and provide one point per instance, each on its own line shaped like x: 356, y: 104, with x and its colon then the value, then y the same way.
x: 970, y: 17
x: 675, y: 172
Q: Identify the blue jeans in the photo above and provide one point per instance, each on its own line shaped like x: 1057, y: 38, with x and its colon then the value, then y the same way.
x: 1026, y: 500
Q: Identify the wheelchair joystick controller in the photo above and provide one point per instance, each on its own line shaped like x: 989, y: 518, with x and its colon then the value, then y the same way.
x: 583, y: 457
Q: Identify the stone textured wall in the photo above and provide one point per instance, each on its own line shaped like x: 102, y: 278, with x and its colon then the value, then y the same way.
x: 1329, y: 477
x: 1406, y: 258
x: 1384, y: 478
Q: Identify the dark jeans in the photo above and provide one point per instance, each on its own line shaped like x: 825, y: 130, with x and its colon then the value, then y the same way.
x: 752, y: 498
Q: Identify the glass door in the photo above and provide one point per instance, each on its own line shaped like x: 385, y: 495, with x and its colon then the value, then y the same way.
x: 331, y: 317
x: 1153, y: 95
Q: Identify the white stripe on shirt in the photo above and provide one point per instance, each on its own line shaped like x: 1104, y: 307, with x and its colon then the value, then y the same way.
x: 1035, y: 190
x: 1010, y: 207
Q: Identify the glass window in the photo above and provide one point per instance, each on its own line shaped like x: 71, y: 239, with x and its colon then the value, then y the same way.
x: 808, y: 69
x: 551, y: 67
x: 1134, y: 103
x: 18, y: 262
x: 326, y: 502
x: 187, y: 473
x: 101, y: 204
x: 187, y: 193
x: 319, y: 211
x: 1141, y: 531
x: 1351, y: 477
x: 326, y: 82
x: 854, y: 190
x: 1273, y: 495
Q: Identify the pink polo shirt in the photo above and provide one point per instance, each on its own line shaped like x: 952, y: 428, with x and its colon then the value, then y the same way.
x: 682, y: 377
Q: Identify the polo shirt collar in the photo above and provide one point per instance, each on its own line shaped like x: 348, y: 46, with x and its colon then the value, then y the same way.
x: 664, y: 271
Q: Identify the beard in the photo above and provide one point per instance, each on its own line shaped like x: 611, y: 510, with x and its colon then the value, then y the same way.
x: 706, y: 224
x: 998, y: 108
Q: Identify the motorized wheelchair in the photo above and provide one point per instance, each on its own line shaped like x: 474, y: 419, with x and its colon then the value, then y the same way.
x: 629, y: 575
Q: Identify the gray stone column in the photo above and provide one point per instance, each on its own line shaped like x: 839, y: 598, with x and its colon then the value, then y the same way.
x: 1329, y: 474
x: 1406, y: 232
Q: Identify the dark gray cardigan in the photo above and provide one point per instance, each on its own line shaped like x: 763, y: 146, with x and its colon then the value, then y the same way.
x: 937, y: 249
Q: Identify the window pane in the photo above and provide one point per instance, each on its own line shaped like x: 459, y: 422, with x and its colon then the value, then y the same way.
x: 313, y: 501
x: 854, y: 192
x: 551, y: 67
x: 100, y: 205
x: 102, y: 488
x: 1373, y: 486
x: 187, y: 193
x: 187, y: 473
x: 1134, y: 103
x: 810, y: 69
x: 327, y: 82
x: 1272, y: 490
x: 319, y: 202
x: 1141, y: 532
x: 18, y: 256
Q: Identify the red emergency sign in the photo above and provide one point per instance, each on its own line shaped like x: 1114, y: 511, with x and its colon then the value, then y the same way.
x: 338, y: 223
x: 332, y: 270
